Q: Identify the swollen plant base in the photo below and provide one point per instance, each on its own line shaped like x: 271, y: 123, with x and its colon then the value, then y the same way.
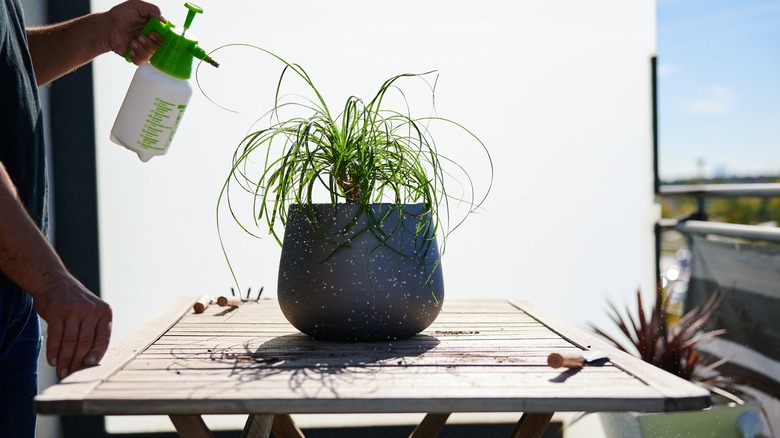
x: 352, y: 275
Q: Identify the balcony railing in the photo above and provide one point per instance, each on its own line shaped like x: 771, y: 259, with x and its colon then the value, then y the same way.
x: 696, y: 222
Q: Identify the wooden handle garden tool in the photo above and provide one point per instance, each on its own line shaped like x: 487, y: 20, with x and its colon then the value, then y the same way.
x: 575, y: 359
x: 201, y: 304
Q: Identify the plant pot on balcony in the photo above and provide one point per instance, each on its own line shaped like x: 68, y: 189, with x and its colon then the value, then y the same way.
x: 722, y: 420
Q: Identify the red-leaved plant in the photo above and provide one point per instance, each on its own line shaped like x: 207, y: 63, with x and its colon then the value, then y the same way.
x: 672, y: 348
x: 675, y: 347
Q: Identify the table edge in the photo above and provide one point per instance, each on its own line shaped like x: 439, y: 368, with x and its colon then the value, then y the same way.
x: 67, y: 397
x: 681, y: 394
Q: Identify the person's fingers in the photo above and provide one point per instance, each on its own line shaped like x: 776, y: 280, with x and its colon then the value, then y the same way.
x: 86, y: 340
x: 143, y: 47
x: 151, y: 42
x: 124, y: 22
x: 102, y: 338
x: 54, y: 330
x: 70, y: 338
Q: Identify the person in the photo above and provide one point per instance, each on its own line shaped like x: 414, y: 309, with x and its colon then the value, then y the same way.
x: 33, y: 280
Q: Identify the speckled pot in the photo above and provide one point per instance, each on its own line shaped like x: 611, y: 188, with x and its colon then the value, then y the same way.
x: 352, y: 275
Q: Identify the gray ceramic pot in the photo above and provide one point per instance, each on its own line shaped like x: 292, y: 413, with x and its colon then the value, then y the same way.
x: 353, y: 275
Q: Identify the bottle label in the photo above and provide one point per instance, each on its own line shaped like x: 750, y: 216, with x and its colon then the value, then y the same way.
x: 160, y: 124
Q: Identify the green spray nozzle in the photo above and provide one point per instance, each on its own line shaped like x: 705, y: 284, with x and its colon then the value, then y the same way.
x: 174, y: 56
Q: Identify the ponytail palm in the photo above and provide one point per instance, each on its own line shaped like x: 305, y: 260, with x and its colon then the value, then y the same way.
x: 367, y: 153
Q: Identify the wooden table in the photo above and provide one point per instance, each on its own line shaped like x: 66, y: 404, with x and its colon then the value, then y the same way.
x: 479, y: 356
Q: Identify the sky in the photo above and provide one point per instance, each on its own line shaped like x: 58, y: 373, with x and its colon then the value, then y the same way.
x: 718, y: 88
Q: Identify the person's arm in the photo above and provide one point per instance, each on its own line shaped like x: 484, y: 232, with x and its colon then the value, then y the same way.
x: 79, y: 323
x: 60, y: 48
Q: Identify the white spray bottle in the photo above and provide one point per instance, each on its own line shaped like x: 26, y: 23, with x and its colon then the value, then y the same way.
x: 160, y: 90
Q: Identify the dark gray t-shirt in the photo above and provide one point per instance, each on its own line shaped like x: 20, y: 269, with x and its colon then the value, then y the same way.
x: 22, y: 149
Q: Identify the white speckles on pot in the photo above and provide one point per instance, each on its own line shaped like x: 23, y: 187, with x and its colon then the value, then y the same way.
x: 366, y: 289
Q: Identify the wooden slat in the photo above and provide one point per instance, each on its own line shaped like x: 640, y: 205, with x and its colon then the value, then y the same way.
x: 427, y: 379
x: 481, y: 401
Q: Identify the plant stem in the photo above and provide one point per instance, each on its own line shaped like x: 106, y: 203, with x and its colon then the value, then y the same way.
x: 351, y: 190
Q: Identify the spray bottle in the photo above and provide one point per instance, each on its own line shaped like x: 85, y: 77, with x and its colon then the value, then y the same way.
x: 160, y: 90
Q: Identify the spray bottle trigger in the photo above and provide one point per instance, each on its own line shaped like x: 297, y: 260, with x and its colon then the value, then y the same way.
x: 152, y: 25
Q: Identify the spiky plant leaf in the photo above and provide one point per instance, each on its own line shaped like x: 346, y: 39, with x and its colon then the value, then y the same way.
x: 673, y: 349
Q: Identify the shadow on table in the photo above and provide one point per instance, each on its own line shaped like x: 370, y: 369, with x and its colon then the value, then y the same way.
x: 566, y: 374
x: 308, y: 361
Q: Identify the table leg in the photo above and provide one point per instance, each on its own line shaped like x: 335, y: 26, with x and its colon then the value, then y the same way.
x: 430, y: 426
x: 190, y: 426
x: 531, y: 425
x: 261, y: 425
x: 284, y: 427
x: 258, y: 426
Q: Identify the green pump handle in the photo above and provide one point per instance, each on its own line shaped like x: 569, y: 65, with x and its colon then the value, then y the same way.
x: 174, y: 56
x: 193, y: 9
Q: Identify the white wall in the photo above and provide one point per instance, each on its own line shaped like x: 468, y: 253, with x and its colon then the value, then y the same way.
x: 558, y: 90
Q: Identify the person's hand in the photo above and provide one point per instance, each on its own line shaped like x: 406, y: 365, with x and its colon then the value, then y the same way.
x: 124, y: 22
x: 79, y: 326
